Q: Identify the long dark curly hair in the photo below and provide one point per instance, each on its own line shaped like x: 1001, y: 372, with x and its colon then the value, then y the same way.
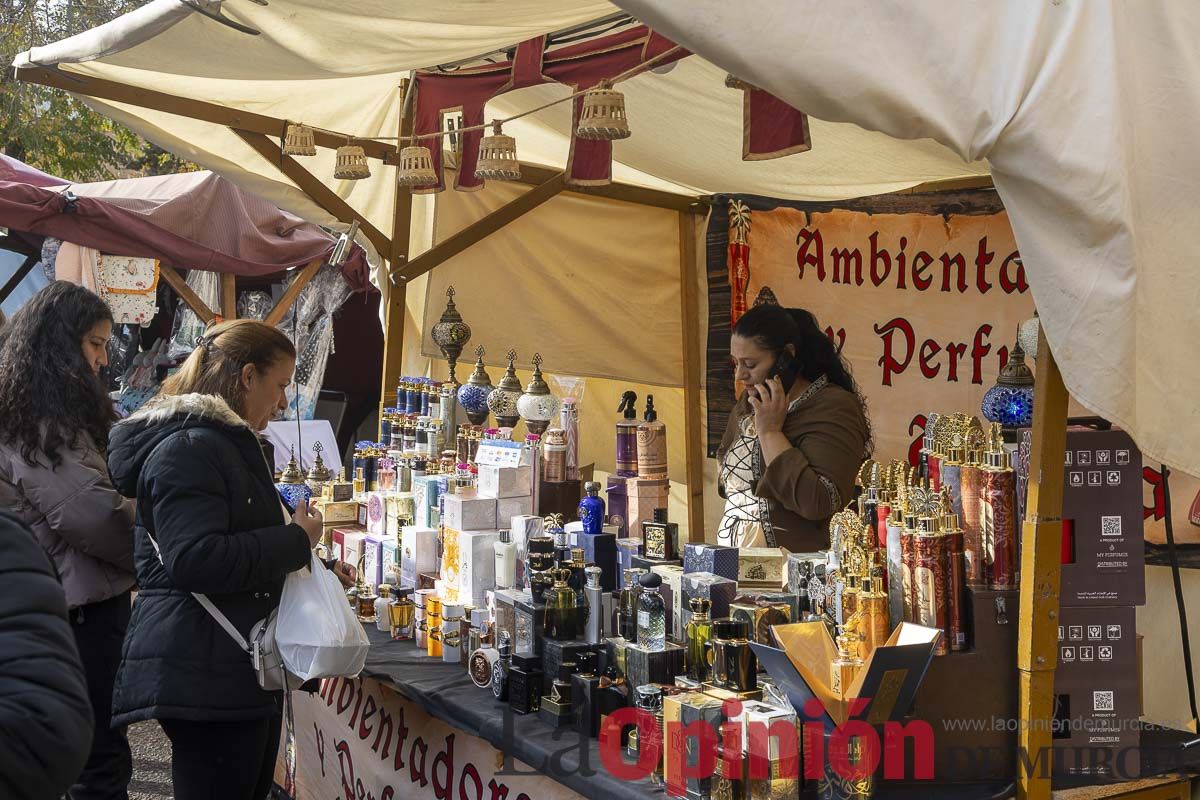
x: 774, y: 327
x: 49, y: 396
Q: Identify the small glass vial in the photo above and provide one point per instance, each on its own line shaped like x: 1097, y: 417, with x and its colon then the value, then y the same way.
x: 651, y: 614
x: 403, y: 614
x: 383, y: 604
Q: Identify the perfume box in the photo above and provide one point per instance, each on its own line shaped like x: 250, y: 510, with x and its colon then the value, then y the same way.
x: 418, y: 553
x: 761, y: 616
x: 627, y: 550
x: 601, y: 549
x: 723, y: 694
x: 643, y: 496
x: 387, y: 512
x: 502, y: 482
x: 362, y: 515
x: 574, y: 530
x: 800, y: 570
x: 426, y: 580
x: 352, y: 549
x: 672, y: 595
x: 560, y: 498
x: 792, y: 601
x: 717, y: 590
x: 477, y: 565
x: 762, y: 568
x: 392, y: 561
x: 680, y: 711
x: 338, y: 537
x: 335, y: 513
x: 555, y: 714
x: 523, y: 526
x: 782, y: 759
x: 504, y: 605
x: 585, y: 709
x: 426, y: 499
x: 714, y: 558
x: 617, y: 504
x: 555, y: 654
x: 643, y: 562
x: 644, y: 666
x: 509, y: 507
x: 529, y: 626
x: 615, y: 652
x: 372, y: 549
x: 468, y: 513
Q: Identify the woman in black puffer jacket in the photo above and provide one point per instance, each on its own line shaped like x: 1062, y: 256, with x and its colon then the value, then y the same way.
x: 206, y: 495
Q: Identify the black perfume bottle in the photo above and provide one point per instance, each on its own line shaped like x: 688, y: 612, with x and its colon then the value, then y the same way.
x: 525, y: 684
x: 612, y: 694
x: 585, y: 696
x: 561, y: 602
x: 501, y: 668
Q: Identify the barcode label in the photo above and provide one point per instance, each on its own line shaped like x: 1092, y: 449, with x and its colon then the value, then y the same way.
x: 1102, y: 701
x: 1110, y: 525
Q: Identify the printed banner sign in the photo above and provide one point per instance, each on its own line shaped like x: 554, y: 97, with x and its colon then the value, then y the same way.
x: 356, y: 739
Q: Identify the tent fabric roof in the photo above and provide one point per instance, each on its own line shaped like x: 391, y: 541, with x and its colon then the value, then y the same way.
x: 190, y: 220
x: 1085, y: 111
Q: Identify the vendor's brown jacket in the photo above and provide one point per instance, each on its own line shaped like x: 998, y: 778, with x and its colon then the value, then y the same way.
x: 829, y: 434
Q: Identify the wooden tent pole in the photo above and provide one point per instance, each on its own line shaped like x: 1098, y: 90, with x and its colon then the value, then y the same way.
x: 693, y: 424
x: 189, y: 297
x: 228, y: 295
x: 397, y: 288
x: 1041, y: 570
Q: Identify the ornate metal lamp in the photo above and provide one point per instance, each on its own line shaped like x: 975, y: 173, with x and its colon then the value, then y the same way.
x: 451, y: 334
x: 1010, y: 401
x: 318, y: 473
x: 473, y: 395
x: 503, y: 400
x: 537, y: 406
x: 291, y: 485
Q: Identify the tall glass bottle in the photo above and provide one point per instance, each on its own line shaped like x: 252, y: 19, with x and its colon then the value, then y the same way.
x: 651, y: 614
x: 594, y: 628
x: 627, y: 436
x: 652, y: 444
x: 698, y: 633
x: 627, y: 613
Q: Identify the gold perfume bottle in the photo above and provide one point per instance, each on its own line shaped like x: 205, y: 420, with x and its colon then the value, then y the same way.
x: 698, y: 634
x: 433, y: 623
x: 561, y: 601
x: 874, y: 606
x: 365, y: 596
x: 403, y: 612
x: 360, y: 481
x: 847, y: 664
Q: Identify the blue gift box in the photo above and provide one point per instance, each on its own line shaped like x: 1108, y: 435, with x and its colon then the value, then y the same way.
x: 601, y: 549
x: 714, y: 558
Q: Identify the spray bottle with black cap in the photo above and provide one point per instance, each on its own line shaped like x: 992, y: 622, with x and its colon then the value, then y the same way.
x: 627, y: 427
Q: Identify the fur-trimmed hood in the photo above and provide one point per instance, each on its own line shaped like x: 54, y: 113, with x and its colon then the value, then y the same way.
x: 135, y: 438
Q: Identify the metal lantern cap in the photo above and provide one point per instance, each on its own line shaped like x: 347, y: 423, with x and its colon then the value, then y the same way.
x: 351, y: 163
x: 603, y: 115
x: 510, y: 382
x: 498, y: 157
x: 299, y: 141
x: 291, y: 473
x: 1016, y: 372
x: 537, y: 384
x: 479, y: 376
x: 416, y: 167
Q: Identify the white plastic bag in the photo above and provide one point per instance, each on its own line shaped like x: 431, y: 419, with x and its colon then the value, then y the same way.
x: 316, y: 632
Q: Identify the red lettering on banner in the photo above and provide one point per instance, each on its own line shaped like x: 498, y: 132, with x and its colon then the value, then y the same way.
x: 343, y: 699
x: 346, y: 762
x: 401, y: 738
x: 920, y: 263
x: 1158, y: 509
x: 811, y: 252
x: 955, y: 351
x: 900, y: 258
x: 979, y: 349
x: 760, y: 743
x: 877, y: 277
x: 357, y: 702
x: 369, y: 709
x: 445, y: 760
x: 929, y: 349
x: 1011, y: 284
x: 499, y: 790
x: 838, y: 339
x: 384, y: 735
x: 982, y: 259
x: 415, y: 774
x: 961, y: 282
x: 843, y: 258
x: 914, y: 449
x: 469, y: 771
x: 891, y: 365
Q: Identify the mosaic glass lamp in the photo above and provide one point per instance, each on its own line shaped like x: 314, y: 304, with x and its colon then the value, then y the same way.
x: 473, y: 395
x: 537, y: 406
x: 1010, y: 401
x: 503, y: 399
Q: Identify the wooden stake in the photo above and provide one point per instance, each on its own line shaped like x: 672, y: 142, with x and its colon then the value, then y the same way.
x: 276, y: 314
x: 1041, y: 570
x: 190, y: 298
x: 693, y: 423
x: 228, y: 295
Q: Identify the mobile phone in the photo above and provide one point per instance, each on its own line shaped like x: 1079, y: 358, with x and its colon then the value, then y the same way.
x: 786, y: 369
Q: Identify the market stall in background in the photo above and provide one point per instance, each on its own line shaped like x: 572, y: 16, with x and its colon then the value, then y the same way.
x: 534, y: 519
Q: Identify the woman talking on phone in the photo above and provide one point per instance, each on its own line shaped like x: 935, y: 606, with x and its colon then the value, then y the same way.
x: 795, y: 439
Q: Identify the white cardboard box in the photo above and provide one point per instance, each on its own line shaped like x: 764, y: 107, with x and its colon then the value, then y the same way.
x: 477, y: 572
x: 523, y: 526
x: 501, y: 482
x: 352, y: 548
x: 418, y: 553
x: 469, y: 513
x: 509, y: 507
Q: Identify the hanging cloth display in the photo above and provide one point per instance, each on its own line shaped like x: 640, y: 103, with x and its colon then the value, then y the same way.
x: 130, y: 287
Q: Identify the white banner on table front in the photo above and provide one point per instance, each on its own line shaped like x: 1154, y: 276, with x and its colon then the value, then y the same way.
x: 358, y: 739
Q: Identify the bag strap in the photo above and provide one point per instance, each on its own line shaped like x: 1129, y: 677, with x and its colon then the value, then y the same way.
x: 213, y: 611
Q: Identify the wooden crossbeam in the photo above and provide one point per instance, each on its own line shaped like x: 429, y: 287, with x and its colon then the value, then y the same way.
x: 275, y: 315
x: 189, y: 297
x: 481, y: 229
x: 320, y: 194
x: 535, y: 175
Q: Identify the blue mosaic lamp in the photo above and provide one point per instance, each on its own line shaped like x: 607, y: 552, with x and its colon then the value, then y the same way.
x: 291, y: 486
x: 1010, y: 401
x: 473, y: 395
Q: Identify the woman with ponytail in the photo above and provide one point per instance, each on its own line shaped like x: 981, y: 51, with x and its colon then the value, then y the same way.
x: 795, y: 439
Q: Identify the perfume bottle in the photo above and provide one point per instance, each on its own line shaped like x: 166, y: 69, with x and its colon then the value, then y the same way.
x: 585, y: 695
x: 479, y: 633
x: 591, y: 509
x: 452, y: 619
x: 560, y: 607
x: 360, y: 481
x: 525, y: 683
x: 652, y: 444
x: 562, y: 547
x: 560, y: 687
x: 506, y: 560
x: 649, y: 697
x: 383, y: 605
x: 594, y: 629
x: 365, y: 596
x: 651, y: 614
x: 341, y: 490
x: 433, y: 625
x: 847, y: 664
x: 402, y: 613
x: 698, y: 633
x: 629, y: 604
x: 627, y: 426
x: 734, y: 665
x: 874, y: 606
x: 660, y: 536
x: 501, y: 668
x: 999, y: 515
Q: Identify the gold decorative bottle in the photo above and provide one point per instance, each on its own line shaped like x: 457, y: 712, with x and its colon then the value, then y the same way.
x: 847, y: 664
x: 874, y: 606
x: 433, y: 623
x: 561, y: 602
x: 698, y: 633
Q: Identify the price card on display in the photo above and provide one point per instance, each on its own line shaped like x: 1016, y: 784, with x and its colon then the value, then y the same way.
x: 499, y: 453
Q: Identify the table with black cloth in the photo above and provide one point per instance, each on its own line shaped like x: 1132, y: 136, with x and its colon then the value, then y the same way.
x: 446, y: 692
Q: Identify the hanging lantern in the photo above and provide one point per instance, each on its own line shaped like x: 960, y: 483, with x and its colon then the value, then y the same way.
x: 537, y: 406
x: 1010, y: 401
x: 351, y: 163
x: 416, y: 167
x: 318, y: 473
x: 498, y: 157
x: 473, y: 395
x: 503, y: 399
x: 291, y: 485
x: 451, y: 334
x: 299, y: 141
x: 603, y: 115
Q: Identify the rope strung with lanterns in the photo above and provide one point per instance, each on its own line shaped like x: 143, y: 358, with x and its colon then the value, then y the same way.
x: 602, y: 118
